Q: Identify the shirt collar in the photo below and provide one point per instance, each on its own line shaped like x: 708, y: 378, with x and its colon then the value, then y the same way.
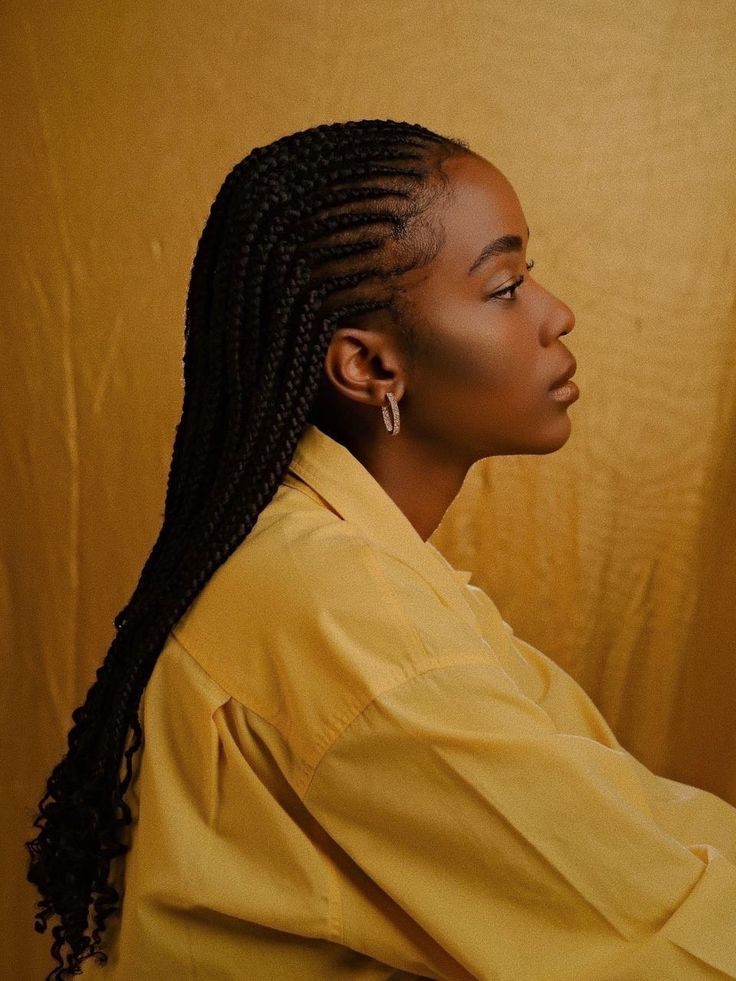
x: 349, y: 489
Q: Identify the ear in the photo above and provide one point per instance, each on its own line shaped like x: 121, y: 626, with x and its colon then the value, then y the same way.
x: 363, y: 364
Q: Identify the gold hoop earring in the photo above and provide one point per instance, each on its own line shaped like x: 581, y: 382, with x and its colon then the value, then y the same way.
x: 392, y: 428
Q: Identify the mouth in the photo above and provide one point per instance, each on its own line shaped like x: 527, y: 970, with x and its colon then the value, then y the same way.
x: 569, y: 392
x: 565, y: 390
x: 564, y: 378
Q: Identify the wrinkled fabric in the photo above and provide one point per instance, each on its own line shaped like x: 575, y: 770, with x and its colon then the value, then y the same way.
x: 352, y: 768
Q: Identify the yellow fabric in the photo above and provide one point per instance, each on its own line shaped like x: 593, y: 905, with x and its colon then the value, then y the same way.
x: 614, y: 122
x: 352, y: 768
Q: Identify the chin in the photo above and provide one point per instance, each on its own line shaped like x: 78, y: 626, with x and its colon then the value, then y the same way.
x: 538, y: 443
x: 557, y: 439
x: 551, y: 440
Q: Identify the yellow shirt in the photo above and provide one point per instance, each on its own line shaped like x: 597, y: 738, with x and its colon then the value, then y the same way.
x: 353, y: 769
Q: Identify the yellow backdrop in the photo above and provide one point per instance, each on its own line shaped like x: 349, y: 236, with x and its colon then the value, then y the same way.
x: 614, y: 121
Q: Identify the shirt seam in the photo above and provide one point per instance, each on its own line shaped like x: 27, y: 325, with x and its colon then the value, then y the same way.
x: 335, y: 919
x: 225, y: 691
x: 390, y: 595
x: 309, y: 769
x: 440, y: 663
x: 409, y: 632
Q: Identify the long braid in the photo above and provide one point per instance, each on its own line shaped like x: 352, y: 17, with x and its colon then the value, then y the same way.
x: 304, y: 232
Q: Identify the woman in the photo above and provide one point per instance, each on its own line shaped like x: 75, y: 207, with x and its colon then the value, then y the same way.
x: 350, y: 767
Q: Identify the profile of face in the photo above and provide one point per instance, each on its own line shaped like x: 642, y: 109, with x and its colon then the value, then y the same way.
x: 490, y: 334
x: 490, y: 350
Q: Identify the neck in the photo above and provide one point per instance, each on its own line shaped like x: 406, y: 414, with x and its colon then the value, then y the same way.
x: 418, y: 479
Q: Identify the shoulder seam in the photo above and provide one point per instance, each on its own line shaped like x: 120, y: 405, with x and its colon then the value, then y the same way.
x: 213, y: 682
x: 229, y: 695
x: 438, y: 664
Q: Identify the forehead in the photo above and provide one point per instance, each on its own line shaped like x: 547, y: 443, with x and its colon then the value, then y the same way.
x: 481, y: 205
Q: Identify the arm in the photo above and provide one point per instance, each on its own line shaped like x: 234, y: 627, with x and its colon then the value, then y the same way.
x: 526, y: 852
x: 686, y: 812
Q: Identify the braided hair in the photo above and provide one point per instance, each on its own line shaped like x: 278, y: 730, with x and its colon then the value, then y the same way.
x: 306, y: 233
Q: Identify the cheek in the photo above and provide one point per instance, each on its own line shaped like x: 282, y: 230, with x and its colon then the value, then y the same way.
x: 476, y: 353
x: 456, y: 351
x: 481, y: 362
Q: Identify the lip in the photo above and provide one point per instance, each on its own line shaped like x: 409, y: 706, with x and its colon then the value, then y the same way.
x: 566, y: 376
x: 569, y: 392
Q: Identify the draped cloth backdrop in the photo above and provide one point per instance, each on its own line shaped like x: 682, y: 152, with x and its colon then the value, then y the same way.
x: 615, y: 123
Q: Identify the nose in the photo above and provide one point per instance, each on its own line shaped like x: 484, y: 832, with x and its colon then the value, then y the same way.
x: 558, y: 318
x: 567, y: 318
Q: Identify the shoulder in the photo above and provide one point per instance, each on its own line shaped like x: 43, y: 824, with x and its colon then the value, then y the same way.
x: 300, y: 571
x: 303, y: 624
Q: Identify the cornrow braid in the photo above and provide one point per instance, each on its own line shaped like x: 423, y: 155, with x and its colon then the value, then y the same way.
x: 305, y: 232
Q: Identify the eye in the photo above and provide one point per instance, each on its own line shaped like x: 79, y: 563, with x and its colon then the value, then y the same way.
x: 508, y: 292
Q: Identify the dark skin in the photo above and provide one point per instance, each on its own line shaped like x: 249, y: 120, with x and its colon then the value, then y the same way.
x: 481, y: 383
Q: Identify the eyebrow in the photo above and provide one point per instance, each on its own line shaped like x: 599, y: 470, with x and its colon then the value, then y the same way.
x: 506, y: 243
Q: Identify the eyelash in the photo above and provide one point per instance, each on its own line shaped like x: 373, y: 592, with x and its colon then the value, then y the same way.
x: 509, y: 292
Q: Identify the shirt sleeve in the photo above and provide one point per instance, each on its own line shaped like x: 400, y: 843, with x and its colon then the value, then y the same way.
x: 525, y: 851
x: 689, y: 813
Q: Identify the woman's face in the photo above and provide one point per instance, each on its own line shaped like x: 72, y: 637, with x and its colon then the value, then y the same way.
x: 490, y: 347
